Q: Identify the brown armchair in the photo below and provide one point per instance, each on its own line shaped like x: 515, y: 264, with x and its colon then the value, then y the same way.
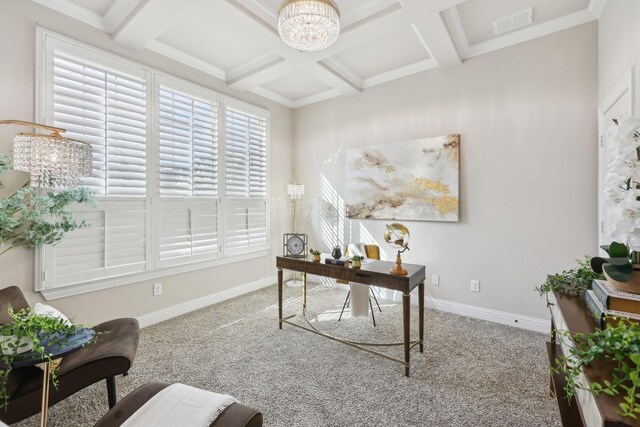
x: 111, y: 355
x: 236, y: 415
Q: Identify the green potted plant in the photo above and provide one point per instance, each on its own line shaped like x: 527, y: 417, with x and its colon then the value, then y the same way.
x: 356, y: 261
x: 30, y: 334
x: 622, y: 192
x: 618, y: 344
x: 573, y: 281
x: 315, y: 255
x: 31, y: 219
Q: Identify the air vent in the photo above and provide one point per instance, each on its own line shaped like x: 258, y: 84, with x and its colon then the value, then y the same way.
x: 513, y: 22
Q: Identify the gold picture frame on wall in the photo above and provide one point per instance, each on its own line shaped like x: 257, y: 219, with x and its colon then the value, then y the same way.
x: 415, y: 180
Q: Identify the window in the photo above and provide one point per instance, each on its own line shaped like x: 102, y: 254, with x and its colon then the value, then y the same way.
x: 246, y: 183
x: 188, y: 174
x: 179, y: 171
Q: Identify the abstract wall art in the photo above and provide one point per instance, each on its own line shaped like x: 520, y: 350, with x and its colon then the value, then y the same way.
x: 413, y: 180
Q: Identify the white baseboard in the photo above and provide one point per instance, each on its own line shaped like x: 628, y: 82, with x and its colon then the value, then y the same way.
x: 491, y: 315
x: 502, y: 317
x: 198, y: 303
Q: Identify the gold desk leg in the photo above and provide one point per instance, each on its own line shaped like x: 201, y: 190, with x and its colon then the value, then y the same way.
x: 304, y: 293
x: 45, y: 394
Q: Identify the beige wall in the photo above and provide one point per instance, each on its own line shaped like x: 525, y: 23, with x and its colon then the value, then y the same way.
x: 528, y: 124
x: 18, y: 19
x: 619, y: 46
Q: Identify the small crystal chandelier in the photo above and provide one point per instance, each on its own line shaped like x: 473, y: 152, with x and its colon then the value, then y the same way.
x: 309, y: 25
x: 52, y: 160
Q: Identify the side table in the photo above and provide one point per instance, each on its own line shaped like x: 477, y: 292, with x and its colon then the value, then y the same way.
x: 55, y: 351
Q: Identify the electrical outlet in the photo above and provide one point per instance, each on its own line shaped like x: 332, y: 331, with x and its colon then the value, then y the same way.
x: 157, y: 289
x: 475, y: 286
x: 435, y: 280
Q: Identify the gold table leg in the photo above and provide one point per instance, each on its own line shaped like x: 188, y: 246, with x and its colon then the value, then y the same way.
x: 45, y: 394
x: 304, y: 293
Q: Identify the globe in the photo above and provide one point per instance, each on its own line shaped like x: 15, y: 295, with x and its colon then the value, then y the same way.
x: 397, y: 236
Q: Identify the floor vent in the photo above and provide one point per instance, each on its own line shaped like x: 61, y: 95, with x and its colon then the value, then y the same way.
x: 513, y: 22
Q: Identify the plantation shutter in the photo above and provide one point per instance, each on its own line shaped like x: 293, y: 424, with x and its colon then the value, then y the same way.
x: 103, y: 102
x: 108, y: 110
x: 188, y: 176
x: 245, y: 180
x: 113, y: 245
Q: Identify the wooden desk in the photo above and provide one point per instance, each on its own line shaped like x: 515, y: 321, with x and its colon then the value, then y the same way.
x: 374, y: 273
x: 568, y: 313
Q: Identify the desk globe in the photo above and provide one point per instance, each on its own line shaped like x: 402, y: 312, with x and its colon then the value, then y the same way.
x: 397, y: 236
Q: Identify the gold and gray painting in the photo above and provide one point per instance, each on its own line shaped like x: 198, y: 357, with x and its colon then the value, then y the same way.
x: 413, y: 180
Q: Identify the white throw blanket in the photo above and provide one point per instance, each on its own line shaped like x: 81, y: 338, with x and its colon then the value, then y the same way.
x: 180, y: 405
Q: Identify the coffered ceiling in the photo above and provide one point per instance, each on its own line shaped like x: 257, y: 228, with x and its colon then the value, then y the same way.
x: 380, y: 40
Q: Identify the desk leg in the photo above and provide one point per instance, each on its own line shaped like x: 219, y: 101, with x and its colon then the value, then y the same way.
x: 45, y: 394
x: 280, y: 297
x: 554, y: 356
x: 421, y: 308
x: 407, y: 334
x: 304, y: 293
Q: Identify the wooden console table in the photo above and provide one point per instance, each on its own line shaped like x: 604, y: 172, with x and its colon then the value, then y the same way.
x: 375, y: 273
x: 568, y: 313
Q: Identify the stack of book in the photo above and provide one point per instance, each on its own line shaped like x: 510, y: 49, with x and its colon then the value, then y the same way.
x: 343, y: 262
x: 610, y: 305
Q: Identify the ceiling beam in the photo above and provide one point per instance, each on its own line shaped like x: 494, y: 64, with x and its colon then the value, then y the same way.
x: 75, y: 11
x: 118, y: 12
x: 148, y: 21
x: 432, y: 31
x: 384, y: 23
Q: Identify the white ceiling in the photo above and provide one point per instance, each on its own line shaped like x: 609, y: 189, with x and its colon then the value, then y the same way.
x: 380, y: 40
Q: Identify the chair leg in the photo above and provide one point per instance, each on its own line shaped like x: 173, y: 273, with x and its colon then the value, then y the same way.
x: 376, y: 299
x: 372, y: 315
x: 346, y: 300
x: 111, y: 391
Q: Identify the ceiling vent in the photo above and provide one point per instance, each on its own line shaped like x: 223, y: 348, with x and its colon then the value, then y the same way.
x: 513, y: 22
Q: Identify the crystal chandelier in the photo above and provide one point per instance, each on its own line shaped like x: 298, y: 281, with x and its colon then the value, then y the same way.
x: 52, y: 160
x: 309, y: 25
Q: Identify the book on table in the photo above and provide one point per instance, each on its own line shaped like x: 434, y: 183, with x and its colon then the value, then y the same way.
x: 603, y: 316
x: 613, y: 299
x: 344, y: 261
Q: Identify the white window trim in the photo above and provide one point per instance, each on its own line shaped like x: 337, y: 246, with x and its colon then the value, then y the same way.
x: 154, y: 78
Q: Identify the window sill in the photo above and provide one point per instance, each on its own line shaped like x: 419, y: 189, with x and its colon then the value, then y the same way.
x: 112, y: 282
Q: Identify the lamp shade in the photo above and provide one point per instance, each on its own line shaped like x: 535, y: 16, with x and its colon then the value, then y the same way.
x: 309, y: 25
x: 52, y: 160
x: 295, y: 191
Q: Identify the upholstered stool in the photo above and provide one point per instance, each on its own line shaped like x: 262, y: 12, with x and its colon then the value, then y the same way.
x: 236, y: 415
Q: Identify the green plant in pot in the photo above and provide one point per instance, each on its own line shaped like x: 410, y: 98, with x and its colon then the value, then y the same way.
x: 31, y: 335
x: 617, y: 345
x: 31, y: 219
x: 573, y: 281
x: 622, y: 191
x: 315, y: 255
x: 621, y: 269
x: 356, y: 261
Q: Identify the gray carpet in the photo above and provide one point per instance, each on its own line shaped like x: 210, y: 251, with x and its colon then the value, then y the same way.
x: 472, y: 373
